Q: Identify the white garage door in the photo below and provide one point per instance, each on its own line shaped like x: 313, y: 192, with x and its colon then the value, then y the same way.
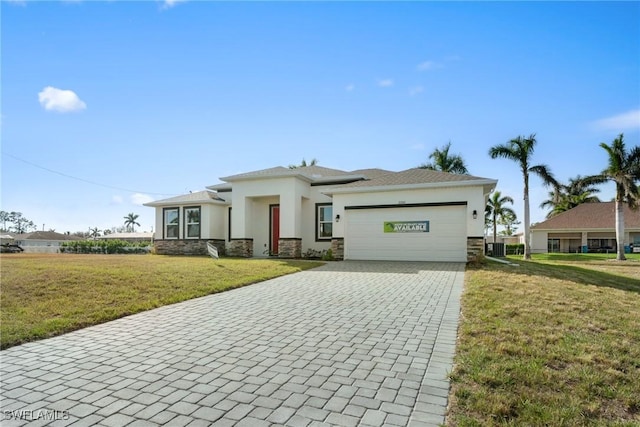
x: 435, y: 233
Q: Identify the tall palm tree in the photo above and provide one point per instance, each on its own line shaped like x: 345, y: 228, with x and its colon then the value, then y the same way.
x: 94, y: 232
x: 497, y: 208
x: 520, y: 150
x: 444, y: 162
x: 624, y: 170
x: 130, y: 221
x: 564, y: 197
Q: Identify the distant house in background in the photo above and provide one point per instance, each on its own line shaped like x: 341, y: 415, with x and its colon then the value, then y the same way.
x: 128, y: 237
x: 507, y: 240
x: 42, y: 241
x: 589, y: 227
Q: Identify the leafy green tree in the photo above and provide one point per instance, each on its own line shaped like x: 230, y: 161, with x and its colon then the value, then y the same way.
x: 624, y: 170
x: 520, y: 150
x: 497, y: 209
x: 304, y: 163
x: 130, y: 222
x: 4, y: 217
x: 444, y: 162
x: 510, y: 223
x: 19, y: 224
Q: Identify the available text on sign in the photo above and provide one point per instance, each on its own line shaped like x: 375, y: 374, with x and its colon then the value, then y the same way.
x: 406, y: 226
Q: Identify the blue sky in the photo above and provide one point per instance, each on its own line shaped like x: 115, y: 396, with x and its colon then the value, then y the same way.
x: 162, y: 98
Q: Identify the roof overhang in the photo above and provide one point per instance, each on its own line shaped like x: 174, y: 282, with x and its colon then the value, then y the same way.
x: 487, y: 184
x: 161, y: 203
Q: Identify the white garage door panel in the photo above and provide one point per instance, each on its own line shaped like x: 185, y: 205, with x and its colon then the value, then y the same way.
x: 446, y: 240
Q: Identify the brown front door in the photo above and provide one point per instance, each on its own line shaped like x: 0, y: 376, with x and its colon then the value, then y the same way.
x: 275, y: 229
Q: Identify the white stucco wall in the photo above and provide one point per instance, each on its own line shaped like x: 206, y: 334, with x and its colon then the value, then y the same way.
x: 539, y: 242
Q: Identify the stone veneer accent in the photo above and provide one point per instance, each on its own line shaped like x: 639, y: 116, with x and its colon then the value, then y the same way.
x: 475, y: 247
x: 289, y: 247
x: 187, y: 246
x: 337, y: 248
x: 241, y: 248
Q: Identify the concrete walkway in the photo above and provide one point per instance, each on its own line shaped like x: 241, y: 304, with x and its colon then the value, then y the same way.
x: 347, y: 344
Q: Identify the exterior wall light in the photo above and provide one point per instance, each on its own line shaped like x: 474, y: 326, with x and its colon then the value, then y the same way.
x: 338, y: 218
x: 475, y: 214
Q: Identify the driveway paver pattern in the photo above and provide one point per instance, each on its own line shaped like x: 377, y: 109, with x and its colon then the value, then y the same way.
x: 347, y: 344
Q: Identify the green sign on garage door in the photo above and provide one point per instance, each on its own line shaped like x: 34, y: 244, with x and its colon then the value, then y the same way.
x: 406, y: 226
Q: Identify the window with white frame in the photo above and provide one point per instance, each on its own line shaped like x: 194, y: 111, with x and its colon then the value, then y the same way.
x: 192, y: 222
x: 172, y: 223
x: 324, y: 221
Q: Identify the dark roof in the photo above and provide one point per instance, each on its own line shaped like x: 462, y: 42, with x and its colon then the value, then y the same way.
x: 45, y: 235
x: 590, y: 216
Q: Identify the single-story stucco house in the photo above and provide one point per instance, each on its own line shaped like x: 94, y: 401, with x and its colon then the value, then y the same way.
x: 370, y: 214
x: 42, y: 241
x: 589, y: 227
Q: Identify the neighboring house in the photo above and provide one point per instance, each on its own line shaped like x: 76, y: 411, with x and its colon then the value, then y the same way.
x: 589, y: 227
x: 370, y: 214
x: 128, y: 236
x: 42, y: 241
x: 507, y: 240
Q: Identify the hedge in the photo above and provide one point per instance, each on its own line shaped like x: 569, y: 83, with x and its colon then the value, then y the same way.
x: 105, y: 247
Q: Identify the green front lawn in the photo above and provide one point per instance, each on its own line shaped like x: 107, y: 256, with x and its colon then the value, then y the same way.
x: 554, y: 341
x: 43, y: 295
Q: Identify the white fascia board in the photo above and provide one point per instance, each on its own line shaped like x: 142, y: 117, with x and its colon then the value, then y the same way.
x: 424, y: 185
x: 186, y: 202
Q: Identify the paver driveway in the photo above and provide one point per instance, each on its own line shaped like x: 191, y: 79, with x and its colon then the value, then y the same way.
x: 347, y: 344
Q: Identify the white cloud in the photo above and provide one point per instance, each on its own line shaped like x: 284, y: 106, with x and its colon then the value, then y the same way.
x: 416, y: 90
x: 62, y: 101
x: 168, y: 4
x: 140, y: 199
x: 419, y: 146
x: 429, y: 65
x: 350, y: 87
x: 117, y: 200
x: 624, y: 121
x: 385, y: 82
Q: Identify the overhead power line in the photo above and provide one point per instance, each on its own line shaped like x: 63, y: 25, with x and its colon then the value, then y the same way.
x: 81, y: 179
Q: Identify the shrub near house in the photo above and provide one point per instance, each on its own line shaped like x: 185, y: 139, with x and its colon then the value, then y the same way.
x: 105, y: 247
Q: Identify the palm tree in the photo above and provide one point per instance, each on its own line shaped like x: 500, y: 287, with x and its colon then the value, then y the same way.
x: 564, y: 197
x: 520, y: 150
x: 94, y: 232
x: 444, y: 162
x: 130, y: 221
x: 624, y: 170
x: 304, y: 163
x: 497, y: 209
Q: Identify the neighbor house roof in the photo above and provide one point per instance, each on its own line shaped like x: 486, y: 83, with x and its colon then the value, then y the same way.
x: 128, y: 236
x: 590, y: 216
x: 45, y: 235
x: 196, y: 197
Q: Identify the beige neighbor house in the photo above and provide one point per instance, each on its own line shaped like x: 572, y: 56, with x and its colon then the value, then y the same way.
x: 372, y: 214
x: 589, y: 227
x: 129, y: 236
x: 43, y: 241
